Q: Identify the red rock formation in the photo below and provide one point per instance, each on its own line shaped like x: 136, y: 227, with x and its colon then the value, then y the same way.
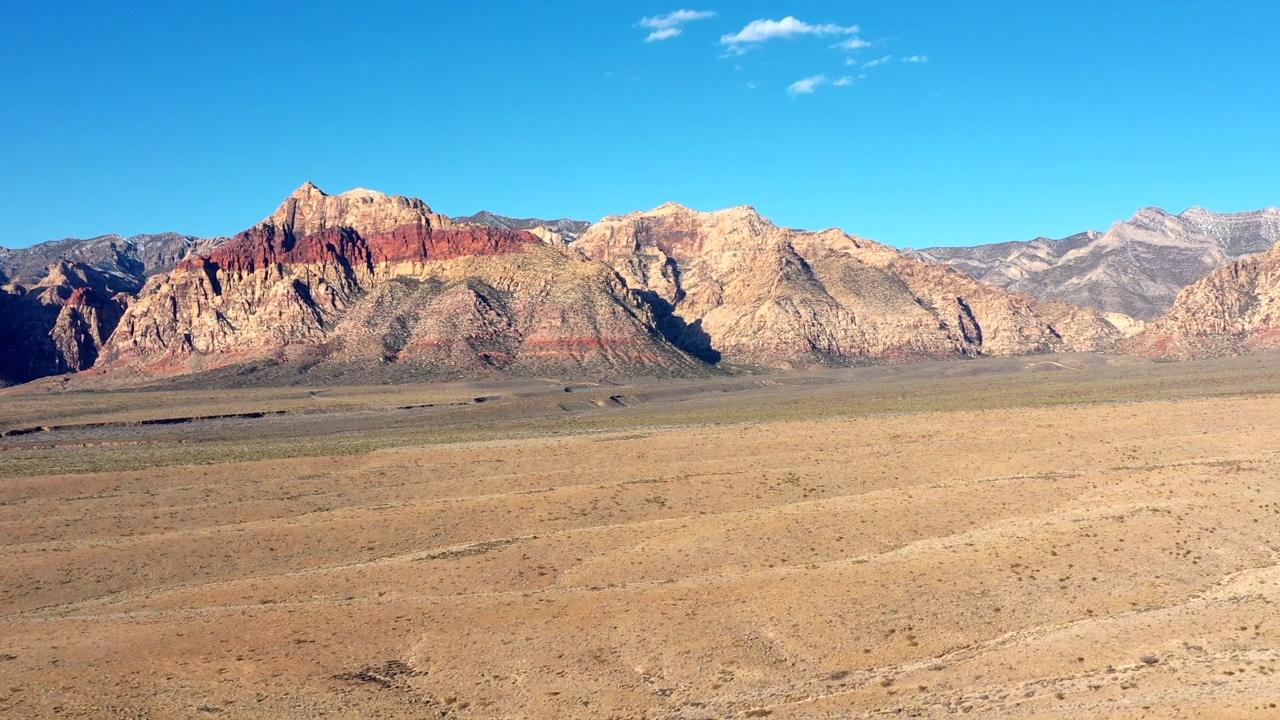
x: 59, y: 324
x: 266, y: 245
x: 361, y: 282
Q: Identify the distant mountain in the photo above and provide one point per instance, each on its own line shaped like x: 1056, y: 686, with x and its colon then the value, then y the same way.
x: 567, y: 229
x: 137, y: 257
x: 366, y: 287
x: 732, y: 284
x: 1235, y: 310
x: 1136, y: 268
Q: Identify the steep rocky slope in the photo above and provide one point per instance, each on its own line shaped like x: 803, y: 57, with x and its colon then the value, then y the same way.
x: 1235, y: 310
x: 1136, y: 268
x: 60, y: 300
x: 732, y: 284
x: 60, y: 323
x: 368, y: 286
x: 135, y: 257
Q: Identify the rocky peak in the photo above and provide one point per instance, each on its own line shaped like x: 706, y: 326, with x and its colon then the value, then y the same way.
x: 310, y: 211
x: 1137, y: 267
x: 351, y: 233
x: 731, y: 283
x: 687, y: 234
x: 380, y: 286
x: 60, y: 323
x: 1152, y: 218
x: 64, y: 277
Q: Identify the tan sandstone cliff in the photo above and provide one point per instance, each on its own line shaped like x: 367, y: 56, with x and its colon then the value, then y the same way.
x: 1234, y: 310
x: 730, y: 283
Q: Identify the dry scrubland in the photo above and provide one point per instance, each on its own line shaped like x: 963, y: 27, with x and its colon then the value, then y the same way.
x: 1061, y: 537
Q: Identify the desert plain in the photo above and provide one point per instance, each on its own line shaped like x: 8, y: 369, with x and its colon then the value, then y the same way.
x: 1059, y: 536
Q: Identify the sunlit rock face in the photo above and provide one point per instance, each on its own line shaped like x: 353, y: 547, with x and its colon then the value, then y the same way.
x: 732, y: 285
x: 367, y: 280
x: 1136, y: 268
x: 1233, y: 311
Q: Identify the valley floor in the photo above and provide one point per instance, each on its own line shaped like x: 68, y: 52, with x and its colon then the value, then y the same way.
x: 1072, y: 536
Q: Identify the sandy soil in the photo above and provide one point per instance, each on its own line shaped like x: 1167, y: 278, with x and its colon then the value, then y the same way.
x: 786, y: 547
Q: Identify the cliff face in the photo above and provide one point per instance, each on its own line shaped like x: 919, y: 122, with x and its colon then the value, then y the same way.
x: 1235, y: 310
x: 61, y: 300
x: 364, y: 280
x: 1137, y: 267
x: 731, y: 283
x: 60, y: 323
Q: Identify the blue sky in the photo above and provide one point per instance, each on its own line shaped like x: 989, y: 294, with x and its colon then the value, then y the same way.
x: 912, y: 122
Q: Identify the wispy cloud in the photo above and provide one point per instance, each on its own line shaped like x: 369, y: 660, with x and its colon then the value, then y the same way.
x: 845, y: 81
x: 877, y: 61
x: 853, y: 43
x: 807, y: 85
x: 916, y: 58
x: 759, y: 31
x: 663, y: 34
x: 668, y: 26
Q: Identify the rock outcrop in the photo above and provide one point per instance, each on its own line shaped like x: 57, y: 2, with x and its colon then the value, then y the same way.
x: 61, y: 300
x: 1136, y: 268
x: 732, y: 284
x: 1233, y: 311
x: 372, y: 286
x: 60, y: 323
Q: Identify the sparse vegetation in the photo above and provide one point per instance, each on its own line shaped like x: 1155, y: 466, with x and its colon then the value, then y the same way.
x: 790, y: 547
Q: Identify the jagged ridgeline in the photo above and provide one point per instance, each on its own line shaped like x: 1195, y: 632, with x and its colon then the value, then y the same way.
x: 368, y: 287
x: 365, y: 286
x: 1235, y: 310
x: 1137, y: 267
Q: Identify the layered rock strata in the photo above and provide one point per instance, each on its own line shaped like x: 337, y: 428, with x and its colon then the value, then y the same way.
x: 60, y: 323
x: 1137, y: 267
x: 1233, y: 311
x: 364, y: 278
x: 732, y: 284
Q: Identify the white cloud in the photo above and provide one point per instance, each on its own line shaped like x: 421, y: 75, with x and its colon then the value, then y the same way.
x: 916, y: 59
x: 845, y: 81
x: 807, y: 85
x: 854, y: 43
x: 668, y: 26
x: 758, y: 31
x: 752, y: 85
x: 877, y: 61
x: 663, y: 34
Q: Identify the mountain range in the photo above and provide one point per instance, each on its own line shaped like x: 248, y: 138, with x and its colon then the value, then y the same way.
x: 367, y: 287
x: 1137, y: 267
